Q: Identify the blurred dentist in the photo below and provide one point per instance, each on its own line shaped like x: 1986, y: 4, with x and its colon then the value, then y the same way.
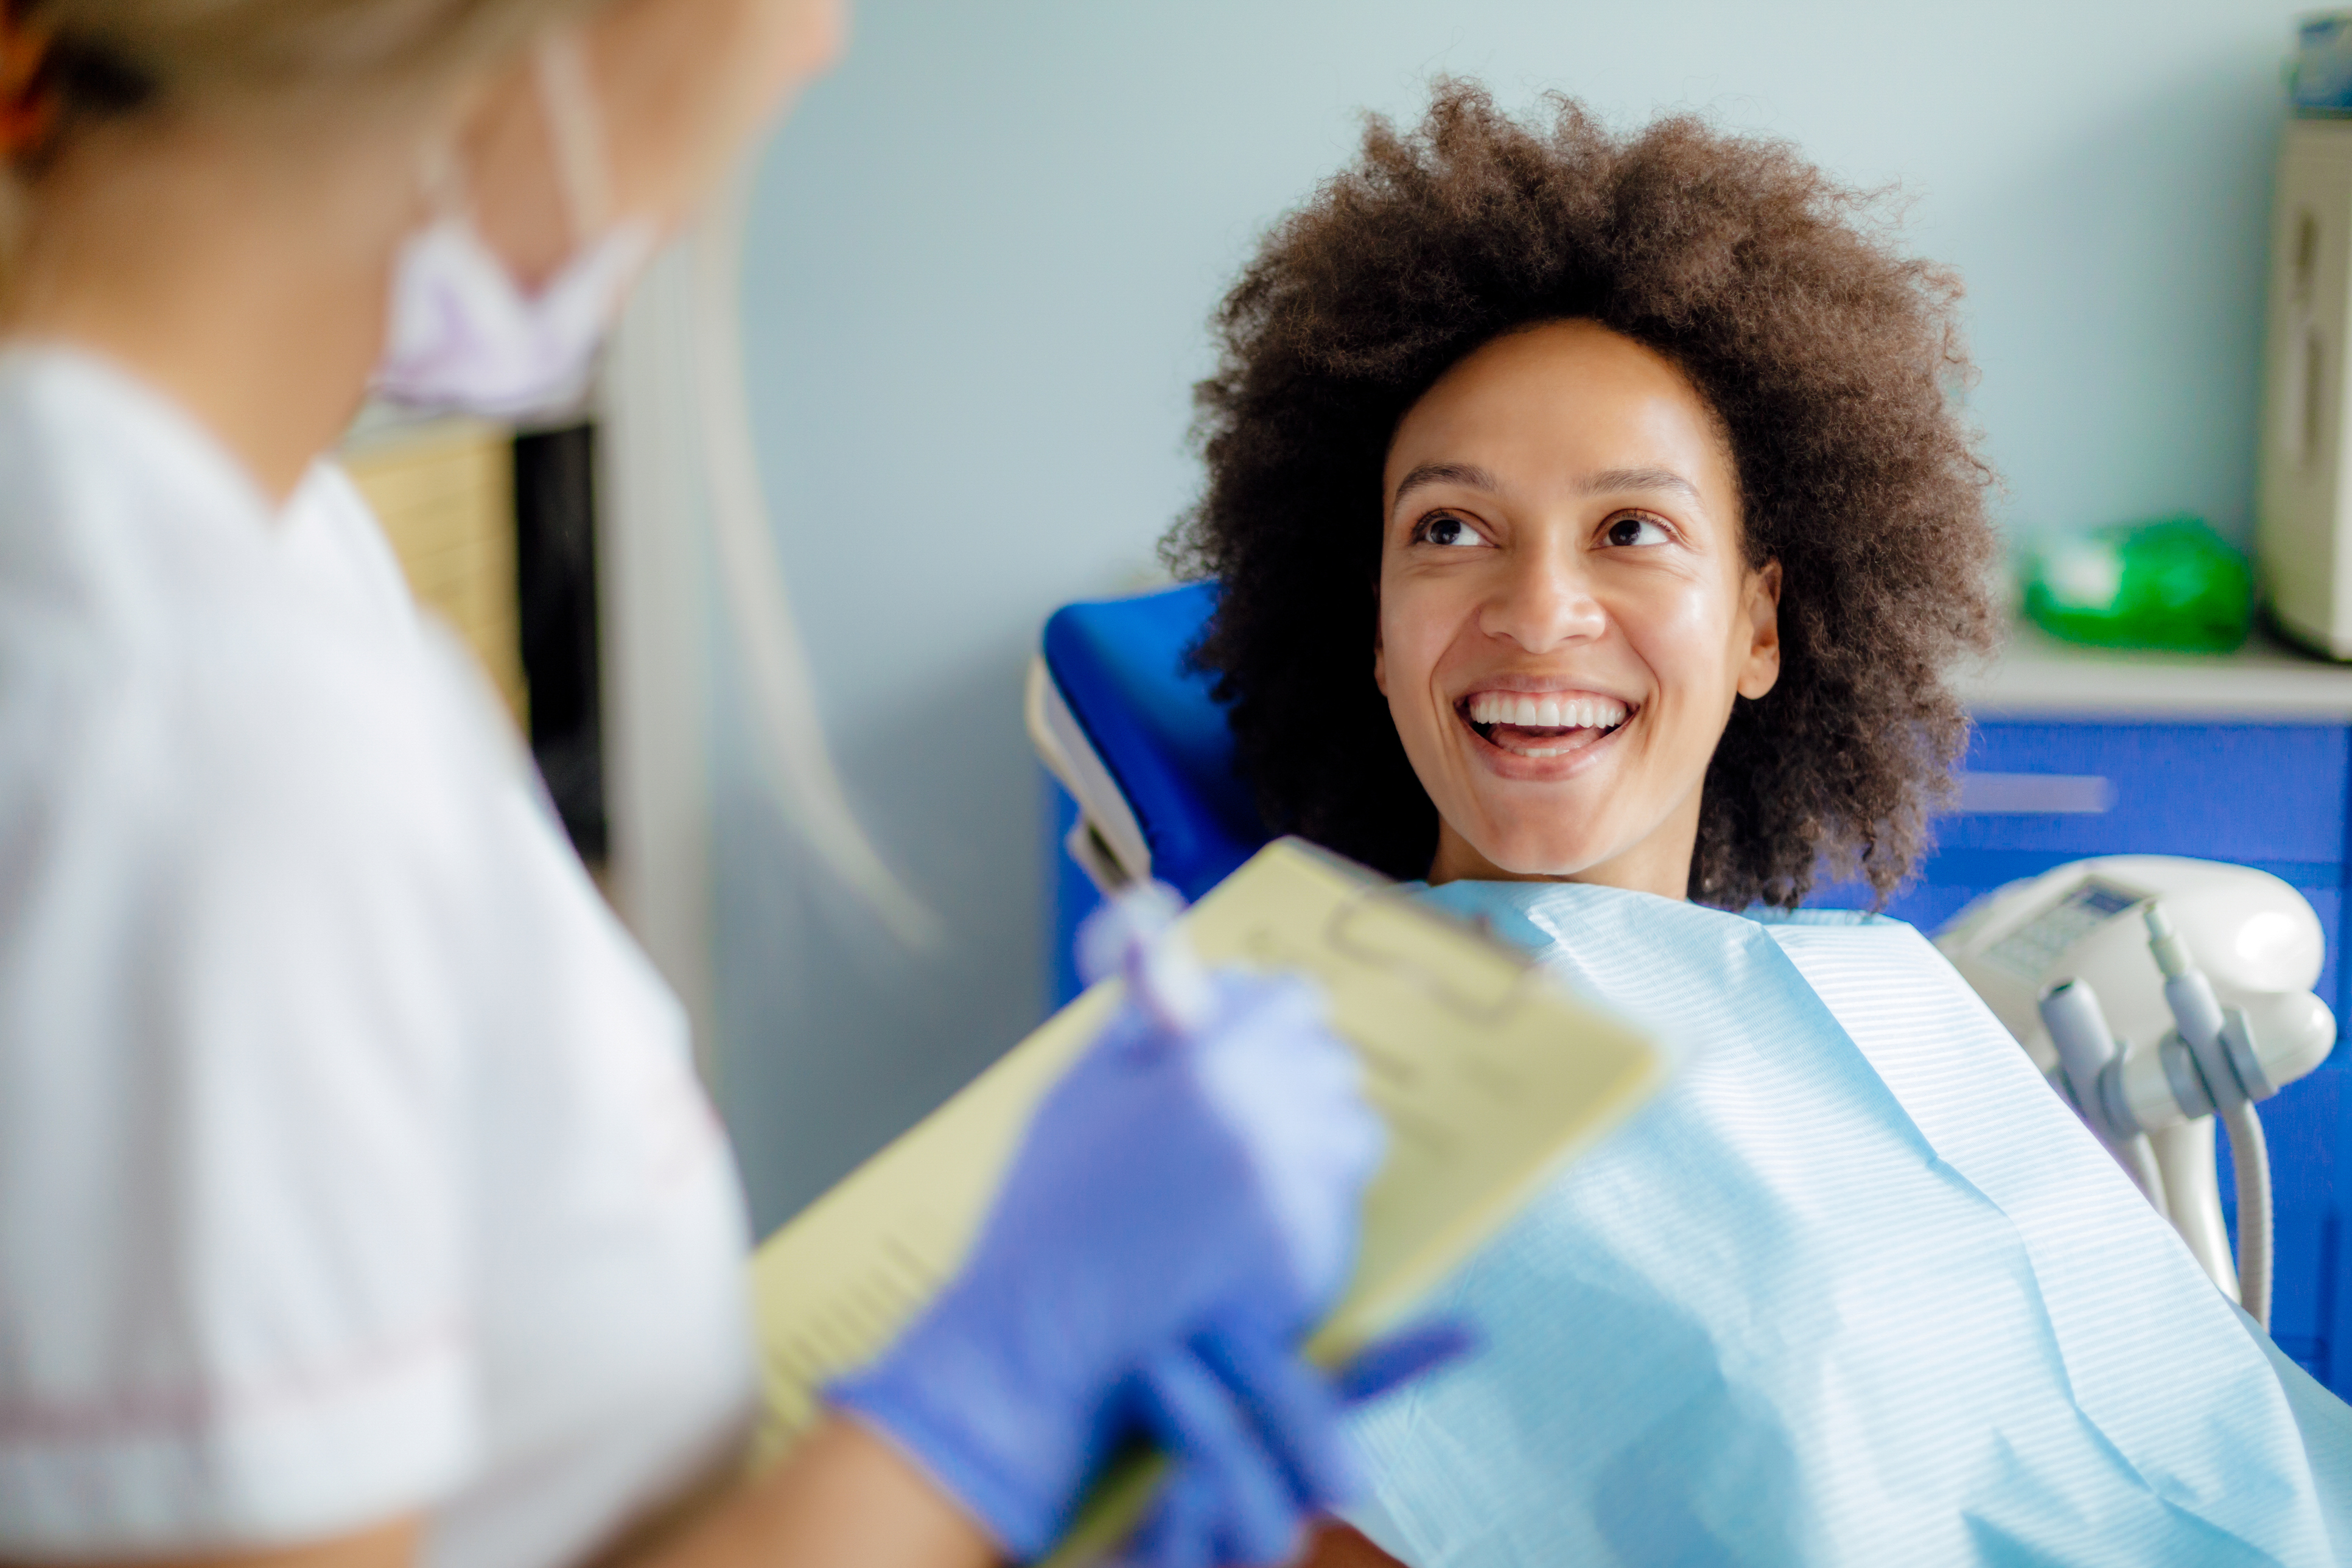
x: 358, y: 1204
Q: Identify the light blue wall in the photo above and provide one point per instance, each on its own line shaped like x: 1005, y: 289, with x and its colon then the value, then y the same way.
x: 979, y: 267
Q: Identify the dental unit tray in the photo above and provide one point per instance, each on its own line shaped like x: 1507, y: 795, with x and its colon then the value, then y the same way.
x: 1489, y: 1075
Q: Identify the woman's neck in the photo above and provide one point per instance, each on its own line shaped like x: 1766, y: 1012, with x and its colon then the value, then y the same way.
x: 1659, y: 863
x: 241, y: 266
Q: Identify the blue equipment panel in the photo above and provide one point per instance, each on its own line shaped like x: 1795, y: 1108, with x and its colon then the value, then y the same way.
x: 2270, y: 796
x: 2255, y: 793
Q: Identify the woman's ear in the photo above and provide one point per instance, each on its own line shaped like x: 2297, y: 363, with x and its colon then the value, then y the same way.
x: 1761, y: 671
x: 1379, y: 661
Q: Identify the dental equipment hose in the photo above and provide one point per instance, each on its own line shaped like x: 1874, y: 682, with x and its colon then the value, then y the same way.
x: 2214, y: 1053
x: 2138, y: 1162
x: 2250, y: 1162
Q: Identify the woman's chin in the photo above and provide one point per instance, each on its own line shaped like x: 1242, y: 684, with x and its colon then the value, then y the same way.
x: 1555, y: 818
x: 1522, y: 852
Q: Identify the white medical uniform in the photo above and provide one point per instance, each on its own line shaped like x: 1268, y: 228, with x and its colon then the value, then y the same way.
x: 352, y: 1160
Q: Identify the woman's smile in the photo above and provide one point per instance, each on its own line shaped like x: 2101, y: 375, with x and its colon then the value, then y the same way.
x: 1541, y: 734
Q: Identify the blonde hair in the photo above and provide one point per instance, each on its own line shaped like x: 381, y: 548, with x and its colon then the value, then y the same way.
x: 104, y: 52
x: 100, y: 60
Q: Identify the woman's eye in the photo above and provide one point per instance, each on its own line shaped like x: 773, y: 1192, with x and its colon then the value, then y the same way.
x: 1637, y: 530
x: 1441, y: 529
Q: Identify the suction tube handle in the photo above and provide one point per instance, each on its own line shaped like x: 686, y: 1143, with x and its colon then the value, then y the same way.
x: 2218, y: 1040
x: 2078, y: 1027
x: 2090, y: 1057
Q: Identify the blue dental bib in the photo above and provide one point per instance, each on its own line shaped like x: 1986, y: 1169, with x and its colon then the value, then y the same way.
x: 1858, y: 1289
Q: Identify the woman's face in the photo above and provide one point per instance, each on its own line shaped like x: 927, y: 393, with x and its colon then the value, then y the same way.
x: 1566, y: 612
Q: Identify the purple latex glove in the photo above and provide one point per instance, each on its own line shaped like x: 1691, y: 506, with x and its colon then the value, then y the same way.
x: 1255, y: 1437
x: 1174, y: 1185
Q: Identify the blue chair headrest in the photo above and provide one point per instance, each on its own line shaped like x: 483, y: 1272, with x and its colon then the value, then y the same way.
x: 1121, y: 667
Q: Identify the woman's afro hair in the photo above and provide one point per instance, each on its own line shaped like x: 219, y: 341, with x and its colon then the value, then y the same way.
x: 1829, y: 358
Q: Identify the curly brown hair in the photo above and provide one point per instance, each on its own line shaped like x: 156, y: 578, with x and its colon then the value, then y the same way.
x: 1828, y: 357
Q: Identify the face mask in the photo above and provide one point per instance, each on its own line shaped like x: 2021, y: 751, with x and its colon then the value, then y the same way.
x: 463, y: 335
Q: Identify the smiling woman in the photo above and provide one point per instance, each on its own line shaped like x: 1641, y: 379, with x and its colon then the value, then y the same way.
x: 1566, y: 612
x: 1675, y: 372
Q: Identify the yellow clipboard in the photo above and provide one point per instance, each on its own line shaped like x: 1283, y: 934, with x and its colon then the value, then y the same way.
x: 1489, y: 1074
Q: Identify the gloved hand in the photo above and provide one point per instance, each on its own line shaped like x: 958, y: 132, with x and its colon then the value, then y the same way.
x: 1255, y: 1438
x: 1172, y: 1187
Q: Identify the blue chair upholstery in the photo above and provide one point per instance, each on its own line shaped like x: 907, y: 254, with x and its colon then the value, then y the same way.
x: 1121, y: 667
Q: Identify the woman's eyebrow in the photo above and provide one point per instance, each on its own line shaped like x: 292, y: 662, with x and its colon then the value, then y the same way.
x: 1611, y: 479
x: 1469, y: 475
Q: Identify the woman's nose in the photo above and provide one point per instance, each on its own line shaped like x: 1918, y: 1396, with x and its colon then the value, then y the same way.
x: 1542, y: 606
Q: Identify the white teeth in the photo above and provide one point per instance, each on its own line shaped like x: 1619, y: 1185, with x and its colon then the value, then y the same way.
x: 1546, y: 712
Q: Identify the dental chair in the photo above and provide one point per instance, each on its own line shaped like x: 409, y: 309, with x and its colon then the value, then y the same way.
x: 1143, y: 784
x: 1141, y: 760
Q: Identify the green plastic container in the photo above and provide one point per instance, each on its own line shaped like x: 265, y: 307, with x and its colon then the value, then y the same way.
x: 2169, y: 583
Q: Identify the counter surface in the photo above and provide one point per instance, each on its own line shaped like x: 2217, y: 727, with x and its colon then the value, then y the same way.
x: 2266, y: 681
